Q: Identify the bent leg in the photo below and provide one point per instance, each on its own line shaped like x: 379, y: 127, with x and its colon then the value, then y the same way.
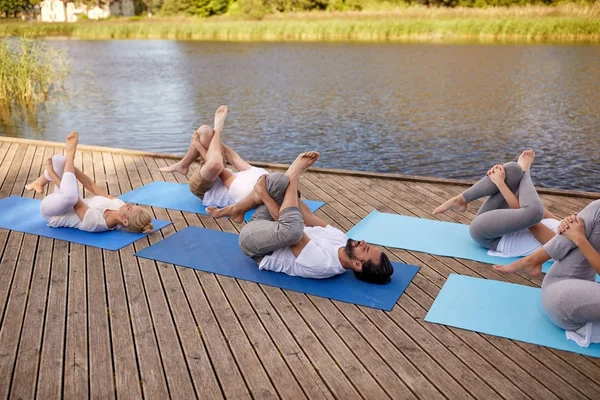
x: 261, y: 237
x: 485, y: 187
x: 277, y: 184
x: 63, y: 199
x: 571, y: 303
x: 560, y: 246
x: 488, y: 227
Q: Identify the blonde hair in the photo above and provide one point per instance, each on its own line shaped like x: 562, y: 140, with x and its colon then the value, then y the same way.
x: 140, y: 222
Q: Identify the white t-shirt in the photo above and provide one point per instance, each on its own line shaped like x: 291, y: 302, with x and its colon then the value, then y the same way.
x: 521, y: 243
x: 318, y: 260
x: 93, y: 220
x: 243, y: 184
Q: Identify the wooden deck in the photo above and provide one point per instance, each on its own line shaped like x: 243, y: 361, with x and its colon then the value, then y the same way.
x: 79, y: 322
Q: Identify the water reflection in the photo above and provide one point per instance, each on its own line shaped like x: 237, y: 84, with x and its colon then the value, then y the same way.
x: 437, y: 110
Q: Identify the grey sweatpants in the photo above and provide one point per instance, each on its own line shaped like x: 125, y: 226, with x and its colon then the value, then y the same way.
x: 495, y: 218
x: 570, y: 293
x: 262, y: 235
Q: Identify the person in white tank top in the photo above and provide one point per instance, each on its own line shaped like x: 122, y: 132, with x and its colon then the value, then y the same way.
x: 213, y: 182
x: 513, y: 221
x: 65, y: 209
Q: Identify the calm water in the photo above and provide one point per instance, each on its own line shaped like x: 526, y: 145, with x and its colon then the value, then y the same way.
x: 436, y: 110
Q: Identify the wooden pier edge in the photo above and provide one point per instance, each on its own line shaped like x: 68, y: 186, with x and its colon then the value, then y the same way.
x: 263, y: 164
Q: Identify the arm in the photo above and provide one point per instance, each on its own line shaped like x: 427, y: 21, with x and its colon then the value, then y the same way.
x: 271, y: 205
x: 298, y: 247
x: 497, y: 175
x: 542, y: 233
x: 511, y: 199
x: 573, y: 228
x: 90, y: 185
x: 310, y: 219
x: 590, y: 253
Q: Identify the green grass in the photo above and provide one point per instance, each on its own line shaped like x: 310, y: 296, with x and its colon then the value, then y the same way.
x: 30, y: 71
x: 516, y: 24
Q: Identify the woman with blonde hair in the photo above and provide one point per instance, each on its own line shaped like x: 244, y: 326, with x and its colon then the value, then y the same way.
x: 66, y: 209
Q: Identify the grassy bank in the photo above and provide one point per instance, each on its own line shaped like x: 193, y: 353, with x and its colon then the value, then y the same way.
x: 519, y: 24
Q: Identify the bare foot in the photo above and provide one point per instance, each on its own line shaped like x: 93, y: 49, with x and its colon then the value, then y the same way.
x: 230, y: 211
x: 457, y: 203
x: 71, y: 142
x: 526, y: 159
x: 38, y: 185
x: 525, y: 264
x: 220, y: 117
x: 177, y: 167
x: 303, y: 162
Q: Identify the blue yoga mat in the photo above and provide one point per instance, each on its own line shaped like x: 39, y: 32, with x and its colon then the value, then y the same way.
x: 177, y: 196
x: 500, y: 309
x: 218, y: 252
x: 23, y: 215
x: 425, y: 235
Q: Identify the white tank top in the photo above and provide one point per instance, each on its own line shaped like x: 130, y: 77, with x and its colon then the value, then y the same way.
x: 93, y: 220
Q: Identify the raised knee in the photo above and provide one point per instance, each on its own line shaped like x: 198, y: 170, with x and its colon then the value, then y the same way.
x: 71, y: 199
x: 277, y: 183
x: 206, y: 133
x: 214, y: 166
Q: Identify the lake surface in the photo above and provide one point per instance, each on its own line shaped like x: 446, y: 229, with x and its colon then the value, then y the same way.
x: 422, y: 109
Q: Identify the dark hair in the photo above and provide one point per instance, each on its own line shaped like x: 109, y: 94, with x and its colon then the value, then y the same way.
x: 376, y: 273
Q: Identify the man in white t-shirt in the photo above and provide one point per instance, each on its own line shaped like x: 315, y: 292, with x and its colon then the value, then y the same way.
x: 213, y: 183
x: 285, y: 236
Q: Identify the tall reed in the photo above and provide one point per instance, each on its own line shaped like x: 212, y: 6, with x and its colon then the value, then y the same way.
x: 30, y: 70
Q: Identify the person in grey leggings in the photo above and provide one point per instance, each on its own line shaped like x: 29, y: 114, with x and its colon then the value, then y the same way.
x: 285, y: 236
x: 503, y: 212
x: 570, y: 293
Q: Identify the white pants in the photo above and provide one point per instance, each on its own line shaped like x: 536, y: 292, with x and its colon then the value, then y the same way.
x: 64, y: 197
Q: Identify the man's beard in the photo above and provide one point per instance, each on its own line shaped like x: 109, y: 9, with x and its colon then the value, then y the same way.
x: 349, y: 248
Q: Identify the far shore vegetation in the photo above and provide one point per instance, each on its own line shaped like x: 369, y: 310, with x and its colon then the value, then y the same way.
x: 521, y: 21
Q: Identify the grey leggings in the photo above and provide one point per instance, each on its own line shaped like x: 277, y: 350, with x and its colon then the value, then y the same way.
x: 570, y: 293
x: 495, y: 218
x: 262, y: 235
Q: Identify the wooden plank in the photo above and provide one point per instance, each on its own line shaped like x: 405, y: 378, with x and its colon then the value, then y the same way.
x: 329, y: 370
x: 153, y: 380
x: 26, y: 368
x: 174, y: 364
x: 270, y: 357
x: 388, y: 366
x: 127, y: 377
x: 100, y: 357
x: 231, y: 382
x: 50, y: 376
x: 17, y: 265
x: 76, y: 372
x: 201, y: 372
x: 307, y: 376
x: 25, y: 374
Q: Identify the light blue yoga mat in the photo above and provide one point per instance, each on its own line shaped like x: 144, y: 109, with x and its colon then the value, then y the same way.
x: 177, y: 196
x: 500, y: 309
x: 219, y: 252
x: 425, y: 235
x: 23, y: 215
